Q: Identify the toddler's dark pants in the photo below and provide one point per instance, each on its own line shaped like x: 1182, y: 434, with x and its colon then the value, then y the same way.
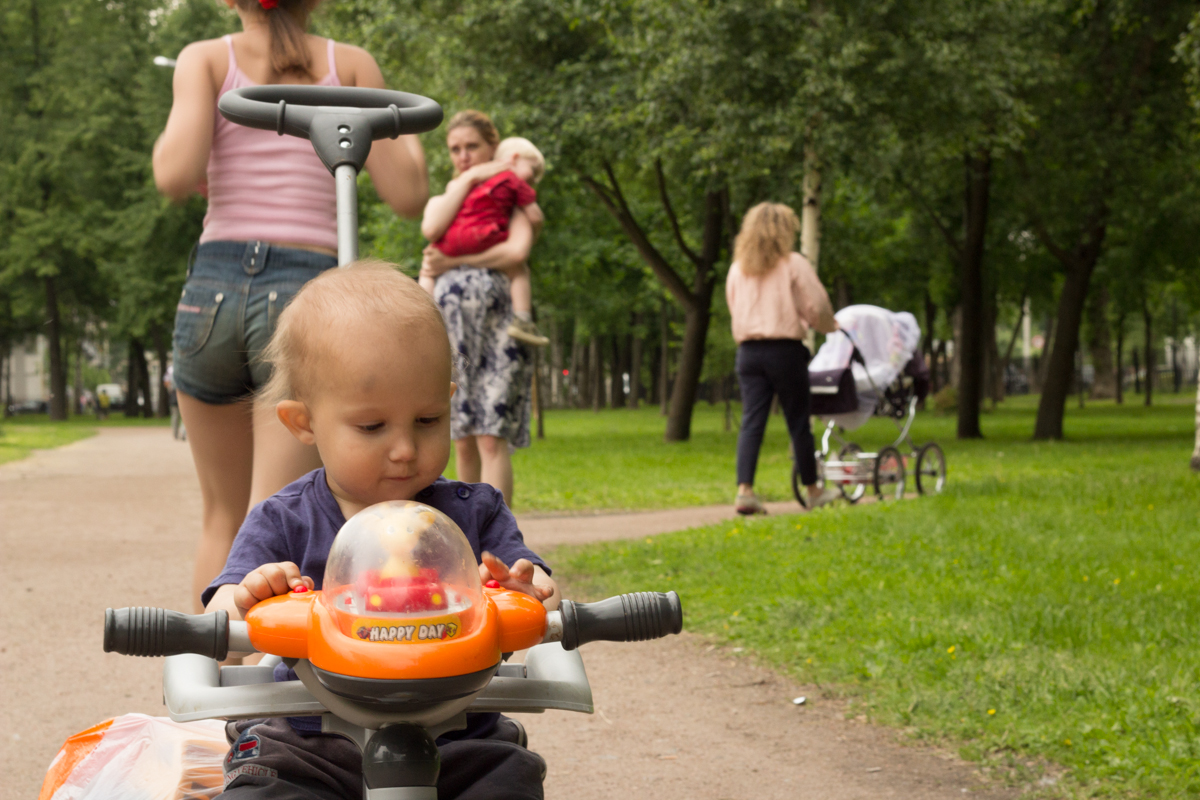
x: 766, y: 367
x: 287, y: 765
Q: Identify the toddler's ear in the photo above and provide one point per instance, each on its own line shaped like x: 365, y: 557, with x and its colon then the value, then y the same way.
x: 295, y: 417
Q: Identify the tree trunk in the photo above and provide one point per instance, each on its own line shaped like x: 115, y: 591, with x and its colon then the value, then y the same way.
x: 556, y: 364
x: 635, y: 363
x: 971, y: 353
x: 616, y: 397
x: 842, y: 293
x: 1149, y: 360
x: 1100, y: 344
x: 1137, y: 372
x: 78, y: 400
x: 163, y: 408
x: 537, y: 393
x: 664, y: 377
x: 1196, y: 451
x: 691, y: 362
x: 992, y: 382
x: 578, y: 388
x: 1079, y: 266
x: 927, y: 343
x: 1044, y: 362
x: 58, y: 369
x: 810, y: 220
x: 132, y: 381
x: 696, y: 300
x: 596, y: 370
x: 1118, y: 377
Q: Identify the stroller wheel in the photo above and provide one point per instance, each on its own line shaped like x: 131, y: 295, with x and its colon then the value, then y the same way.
x: 852, y: 490
x: 931, y: 469
x: 798, y: 485
x: 889, y: 474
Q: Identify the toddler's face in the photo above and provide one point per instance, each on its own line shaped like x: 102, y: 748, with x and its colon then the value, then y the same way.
x: 381, y: 415
x: 523, y: 168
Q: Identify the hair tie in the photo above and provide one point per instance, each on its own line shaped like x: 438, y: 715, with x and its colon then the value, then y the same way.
x: 268, y: 4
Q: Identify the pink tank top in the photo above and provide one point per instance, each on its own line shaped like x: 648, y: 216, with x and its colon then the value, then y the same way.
x: 263, y: 186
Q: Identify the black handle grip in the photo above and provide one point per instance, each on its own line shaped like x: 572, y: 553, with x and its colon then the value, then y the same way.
x: 632, y: 617
x: 159, y: 632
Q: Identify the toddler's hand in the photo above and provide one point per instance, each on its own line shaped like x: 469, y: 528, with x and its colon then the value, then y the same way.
x: 518, y: 578
x: 435, y: 262
x: 268, y: 581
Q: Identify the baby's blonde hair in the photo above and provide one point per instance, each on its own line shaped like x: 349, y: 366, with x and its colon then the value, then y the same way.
x: 768, y: 234
x: 370, y: 290
x: 525, y: 149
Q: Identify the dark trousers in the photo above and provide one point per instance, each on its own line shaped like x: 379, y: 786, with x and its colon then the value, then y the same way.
x: 768, y: 367
x: 272, y: 761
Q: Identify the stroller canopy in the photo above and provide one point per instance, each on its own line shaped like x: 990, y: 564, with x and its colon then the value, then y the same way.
x: 887, y: 340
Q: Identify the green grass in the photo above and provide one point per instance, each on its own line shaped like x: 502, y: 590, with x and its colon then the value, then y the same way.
x: 1045, y: 606
x: 21, y: 435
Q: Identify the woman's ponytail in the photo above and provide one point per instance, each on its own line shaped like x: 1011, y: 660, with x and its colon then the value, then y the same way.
x: 287, y: 20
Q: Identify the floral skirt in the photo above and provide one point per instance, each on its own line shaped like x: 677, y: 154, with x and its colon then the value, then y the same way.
x: 494, y: 371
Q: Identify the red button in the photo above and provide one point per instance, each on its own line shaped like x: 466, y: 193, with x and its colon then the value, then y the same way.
x: 493, y: 584
x: 301, y: 589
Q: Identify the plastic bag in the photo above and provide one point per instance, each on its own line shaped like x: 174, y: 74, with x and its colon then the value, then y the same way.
x: 136, y: 757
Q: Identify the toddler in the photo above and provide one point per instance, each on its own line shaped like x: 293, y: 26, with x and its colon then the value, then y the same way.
x: 482, y: 222
x: 362, y: 370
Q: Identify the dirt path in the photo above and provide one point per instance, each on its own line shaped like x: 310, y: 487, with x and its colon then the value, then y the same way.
x: 110, y: 521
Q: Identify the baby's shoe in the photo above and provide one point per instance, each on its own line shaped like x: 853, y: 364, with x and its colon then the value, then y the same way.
x: 525, y: 330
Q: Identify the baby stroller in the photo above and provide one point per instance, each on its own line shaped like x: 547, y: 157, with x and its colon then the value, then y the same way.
x: 875, y: 348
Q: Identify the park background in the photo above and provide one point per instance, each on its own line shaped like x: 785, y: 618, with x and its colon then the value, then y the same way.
x: 987, y: 166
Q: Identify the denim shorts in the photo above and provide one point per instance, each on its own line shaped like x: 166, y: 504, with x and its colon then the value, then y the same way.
x: 231, y: 301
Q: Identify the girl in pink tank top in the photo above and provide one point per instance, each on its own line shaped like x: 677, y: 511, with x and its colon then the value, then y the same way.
x: 270, y: 227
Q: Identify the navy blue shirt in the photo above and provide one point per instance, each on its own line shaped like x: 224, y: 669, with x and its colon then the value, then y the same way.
x: 299, y: 522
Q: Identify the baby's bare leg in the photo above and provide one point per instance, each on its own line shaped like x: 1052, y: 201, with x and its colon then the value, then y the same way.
x: 521, y: 290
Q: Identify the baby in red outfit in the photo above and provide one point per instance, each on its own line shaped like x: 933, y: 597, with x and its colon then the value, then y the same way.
x: 482, y: 222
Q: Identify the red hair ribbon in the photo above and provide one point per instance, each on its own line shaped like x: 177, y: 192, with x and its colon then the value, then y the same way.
x: 268, y: 4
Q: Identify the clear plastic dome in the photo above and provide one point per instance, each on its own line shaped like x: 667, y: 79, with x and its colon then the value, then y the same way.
x: 402, y: 571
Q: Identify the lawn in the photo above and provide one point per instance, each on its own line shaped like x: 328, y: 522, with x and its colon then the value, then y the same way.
x: 1045, y: 606
x: 21, y: 435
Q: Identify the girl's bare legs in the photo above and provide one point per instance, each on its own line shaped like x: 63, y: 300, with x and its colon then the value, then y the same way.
x: 466, y: 460
x: 485, y: 459
x: 428, y: 282
x: 497, y: 465
x: 278, y: 458
x: 222, y: 442
x: 225, y: 440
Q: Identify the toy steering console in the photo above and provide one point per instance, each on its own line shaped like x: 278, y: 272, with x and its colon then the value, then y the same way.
x: 400, y: 644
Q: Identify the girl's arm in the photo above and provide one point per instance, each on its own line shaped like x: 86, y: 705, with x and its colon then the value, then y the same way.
x: 505, y: 256
x: 181, y: 152
x: 396, y: 166
x: 440, y: 211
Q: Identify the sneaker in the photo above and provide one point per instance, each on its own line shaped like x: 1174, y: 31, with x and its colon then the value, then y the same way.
x: 749, y: 504
x: 524, y: 330
x: 826, y: 497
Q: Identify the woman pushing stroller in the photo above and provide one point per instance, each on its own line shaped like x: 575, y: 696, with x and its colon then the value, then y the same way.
x: 774, y: 297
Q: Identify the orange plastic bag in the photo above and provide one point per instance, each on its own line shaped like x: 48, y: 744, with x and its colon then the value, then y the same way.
x: 136, y: 757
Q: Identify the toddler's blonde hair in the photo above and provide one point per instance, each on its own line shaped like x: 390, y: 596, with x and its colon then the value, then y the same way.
x: 525, y: 149
x: 767, y: 235
x: 370, y: 290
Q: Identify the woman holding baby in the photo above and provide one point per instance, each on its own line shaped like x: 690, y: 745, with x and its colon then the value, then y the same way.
x: 491, y: 409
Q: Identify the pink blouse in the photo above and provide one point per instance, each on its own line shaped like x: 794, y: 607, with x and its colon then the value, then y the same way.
x: 782, y: 303
x: 263, y: 186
